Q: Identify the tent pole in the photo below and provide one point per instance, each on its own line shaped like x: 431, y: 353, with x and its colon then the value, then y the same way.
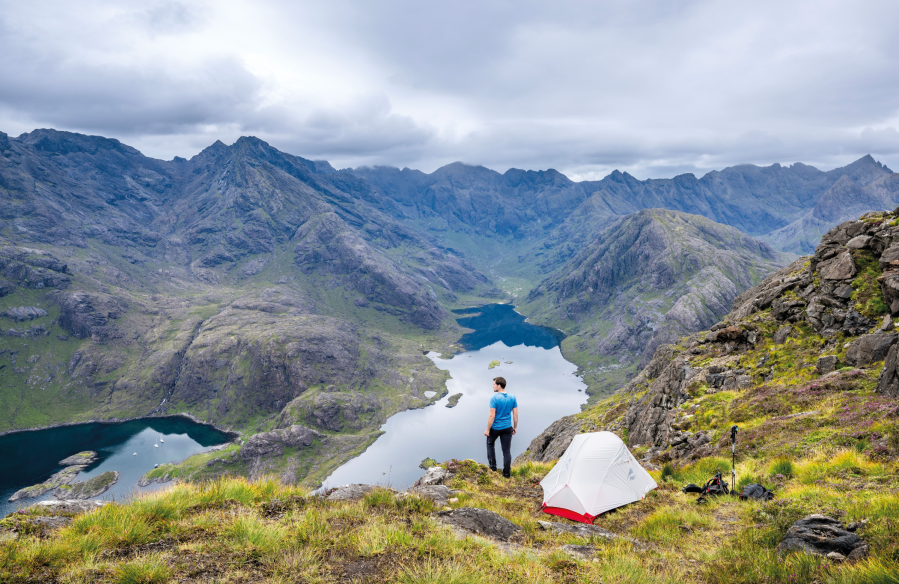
x: 733, y: 458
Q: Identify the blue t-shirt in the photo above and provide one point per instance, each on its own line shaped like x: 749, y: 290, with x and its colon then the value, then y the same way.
x: 504, y: 403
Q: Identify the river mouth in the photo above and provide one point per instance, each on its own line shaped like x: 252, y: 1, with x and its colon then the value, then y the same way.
x: 544, y: 383
x: 28, y: 458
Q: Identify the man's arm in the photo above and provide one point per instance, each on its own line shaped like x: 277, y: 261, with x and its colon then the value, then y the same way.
x: 490, y: 421
x: 514, y: 420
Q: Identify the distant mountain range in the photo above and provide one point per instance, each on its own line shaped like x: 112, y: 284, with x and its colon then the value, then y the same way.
x: 259, y: 290
x: 755, y: 200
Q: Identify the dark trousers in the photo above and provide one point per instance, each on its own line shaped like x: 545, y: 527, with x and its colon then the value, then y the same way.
x: 505, y: 440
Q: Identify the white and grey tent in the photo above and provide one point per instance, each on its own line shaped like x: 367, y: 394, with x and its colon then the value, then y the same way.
x: 596, y: 473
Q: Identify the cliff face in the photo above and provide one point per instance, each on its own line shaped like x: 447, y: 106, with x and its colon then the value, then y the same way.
x: 814, y: 343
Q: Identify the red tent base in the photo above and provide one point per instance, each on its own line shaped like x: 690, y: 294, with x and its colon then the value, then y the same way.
x: 569, y: 514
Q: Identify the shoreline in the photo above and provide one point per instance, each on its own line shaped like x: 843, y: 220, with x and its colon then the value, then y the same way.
x: 231, y: 434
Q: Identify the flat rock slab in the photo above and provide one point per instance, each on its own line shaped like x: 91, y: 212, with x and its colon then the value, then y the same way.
x: 822, y: 535
x: 437, y: 493
x: 82, y: 458
x: 582, y: 530
x: 480, y: 522
x: 579, y: 551
x: 68, y: 506
x: 588, y: 531
x: 351, y: 492
x: 89, y: 488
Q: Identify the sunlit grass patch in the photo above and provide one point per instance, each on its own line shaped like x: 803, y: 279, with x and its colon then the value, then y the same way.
x: 668, y: 524
x: 150, y: 569
x: 531, y: 469
x: 443, y: 573
x: 702, y: 470
x: 781, y: 466
x: 251, y: 534
x: 377, y: 536
x: 871, y: 571
x: 837, y: 465
x: 744, y: 561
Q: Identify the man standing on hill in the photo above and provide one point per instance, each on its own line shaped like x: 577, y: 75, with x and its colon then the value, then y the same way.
x: 502, y: 423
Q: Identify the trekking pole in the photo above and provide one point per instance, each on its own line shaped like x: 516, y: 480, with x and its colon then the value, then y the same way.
x: 733, y: 457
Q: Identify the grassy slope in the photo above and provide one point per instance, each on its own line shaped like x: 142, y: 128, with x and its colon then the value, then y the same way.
x: 231, y: 530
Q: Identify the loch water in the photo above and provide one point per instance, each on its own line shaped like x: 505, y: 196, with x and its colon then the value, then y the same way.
x: 544, y: 383
x: 28, y: 458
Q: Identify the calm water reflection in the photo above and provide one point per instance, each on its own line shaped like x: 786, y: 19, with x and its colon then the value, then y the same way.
x: 31, y: 457
x: 542, y: 380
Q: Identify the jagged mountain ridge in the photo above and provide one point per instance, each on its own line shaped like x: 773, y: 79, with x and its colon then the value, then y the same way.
x: 756, y: 200
x: 646, y: 280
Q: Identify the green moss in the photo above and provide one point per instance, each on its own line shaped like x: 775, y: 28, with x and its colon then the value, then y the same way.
x: 867, y: 296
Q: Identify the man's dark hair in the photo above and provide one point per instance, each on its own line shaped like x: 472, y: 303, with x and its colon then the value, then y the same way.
x: 500, y: 381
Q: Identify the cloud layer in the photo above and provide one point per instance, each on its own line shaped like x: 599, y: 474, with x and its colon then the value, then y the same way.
x: 652, y: 88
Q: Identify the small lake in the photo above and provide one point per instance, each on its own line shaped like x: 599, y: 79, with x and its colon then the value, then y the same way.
x: 543, y: 382
x: 28, y: 458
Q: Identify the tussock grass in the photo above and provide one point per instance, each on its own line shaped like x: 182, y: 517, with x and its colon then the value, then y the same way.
x: 238, y: 530
x: 144, y: 570
x: 781, y: 466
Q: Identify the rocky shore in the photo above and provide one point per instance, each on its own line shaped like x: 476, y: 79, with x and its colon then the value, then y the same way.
x: 74, y: 464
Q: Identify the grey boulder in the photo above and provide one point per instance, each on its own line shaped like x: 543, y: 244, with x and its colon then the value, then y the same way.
x: 870, y: 348
x: 826, y: 364
x: 822, y: 535
x: 437, y: 493
x: 352, y: 492
x: 436, y: 475
x: 480, y: 522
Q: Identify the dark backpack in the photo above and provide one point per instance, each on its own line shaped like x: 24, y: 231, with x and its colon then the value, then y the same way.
x: 714, y: 486
x: 756, y: 493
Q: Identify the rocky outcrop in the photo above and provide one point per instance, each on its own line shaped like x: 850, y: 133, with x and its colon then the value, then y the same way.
x: 436, y: 475
x: 823, y: 536
x: 85, y: 458
x: 24, y: 313
x: 888, y: 382
x: 87, y: 489
x: 270, y: 444
x: 870, y: 348
x: 63, y: 477
x: 479, y: 522
x: 332, y: 410
x: 30, y: 268
x: 89, y: 315
x: 648, y: 420
x: 437, y: 493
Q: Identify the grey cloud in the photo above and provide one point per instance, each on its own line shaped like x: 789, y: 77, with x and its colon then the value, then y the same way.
x: 652, y: 88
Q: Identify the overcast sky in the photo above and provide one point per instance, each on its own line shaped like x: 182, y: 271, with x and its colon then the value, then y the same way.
x: 653, y: 88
